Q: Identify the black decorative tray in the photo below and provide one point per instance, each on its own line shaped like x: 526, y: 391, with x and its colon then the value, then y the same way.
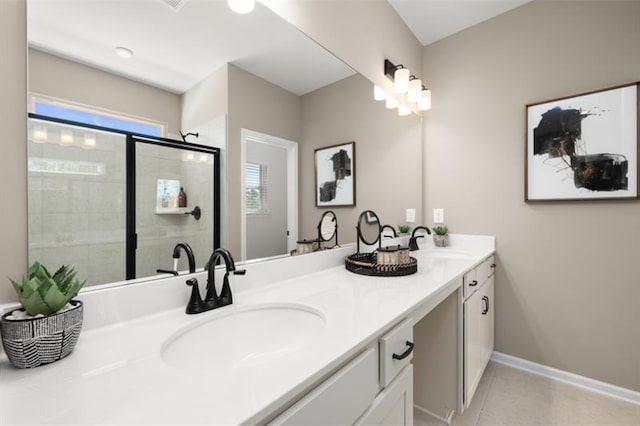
x: 365, y: 264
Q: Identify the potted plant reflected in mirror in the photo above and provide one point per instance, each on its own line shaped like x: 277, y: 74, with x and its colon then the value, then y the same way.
x: 440, y: 236
x: 404, y: 229
x: 48, y: 325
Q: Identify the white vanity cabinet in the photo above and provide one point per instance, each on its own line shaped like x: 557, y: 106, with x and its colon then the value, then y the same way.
x: 373, y: 388
x: 478, y: 312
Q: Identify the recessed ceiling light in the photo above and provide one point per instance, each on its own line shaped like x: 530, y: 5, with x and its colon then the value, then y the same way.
x: 241, y: 6
x: 123, y: 52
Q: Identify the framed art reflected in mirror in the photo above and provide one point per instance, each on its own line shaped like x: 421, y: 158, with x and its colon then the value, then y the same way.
x: 583, y: 147
x: 335, y: 175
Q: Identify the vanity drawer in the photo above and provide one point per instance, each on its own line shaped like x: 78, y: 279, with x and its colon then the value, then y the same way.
x: 340, y: 399
x: 470, y: 283
x: 396, y: 351
x: 486, y: 269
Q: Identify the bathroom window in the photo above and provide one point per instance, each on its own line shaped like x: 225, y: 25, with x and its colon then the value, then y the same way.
x: 69, y: 111
x: 256, y: 188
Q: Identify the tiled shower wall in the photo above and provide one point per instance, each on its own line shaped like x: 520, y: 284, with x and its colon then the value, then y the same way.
x: 77, y: 204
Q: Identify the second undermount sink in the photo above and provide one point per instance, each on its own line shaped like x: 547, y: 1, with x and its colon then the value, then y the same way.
x: 244, y: 337
x: 447, y: 253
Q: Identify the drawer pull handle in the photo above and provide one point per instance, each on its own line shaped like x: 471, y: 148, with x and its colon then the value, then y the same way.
x: 493, y: 265
x: 473, y: 283
x: 406, y: 353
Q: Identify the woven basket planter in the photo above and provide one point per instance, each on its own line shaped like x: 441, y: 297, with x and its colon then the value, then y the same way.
x: 37, y: 341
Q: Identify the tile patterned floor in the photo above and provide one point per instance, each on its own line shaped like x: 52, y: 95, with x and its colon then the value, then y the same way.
x: 507, y: 396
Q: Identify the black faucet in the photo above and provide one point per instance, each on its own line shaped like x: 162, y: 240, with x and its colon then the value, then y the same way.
x: 413, y: 241
x: 176, y: 255
x: 187, y: 249
x: 212, y: 300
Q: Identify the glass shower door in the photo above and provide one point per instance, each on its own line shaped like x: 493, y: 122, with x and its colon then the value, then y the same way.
x: 170, y: 184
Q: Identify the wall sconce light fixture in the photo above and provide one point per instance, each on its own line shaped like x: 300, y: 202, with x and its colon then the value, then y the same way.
x: 403, y: 83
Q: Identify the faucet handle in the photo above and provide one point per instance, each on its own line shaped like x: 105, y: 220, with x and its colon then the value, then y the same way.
x: 240, y: 272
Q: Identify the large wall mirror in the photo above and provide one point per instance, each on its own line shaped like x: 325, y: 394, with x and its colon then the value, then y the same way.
x: 252, y: 86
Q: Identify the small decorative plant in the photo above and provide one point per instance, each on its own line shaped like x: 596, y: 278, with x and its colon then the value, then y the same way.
x: 43, y: 293
x: 48, y: 327
x: 404, y: 229
x: 440, y: 230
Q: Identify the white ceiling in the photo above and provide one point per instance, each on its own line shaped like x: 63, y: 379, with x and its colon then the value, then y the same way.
x: 432, y: 20
x: 175, y: 48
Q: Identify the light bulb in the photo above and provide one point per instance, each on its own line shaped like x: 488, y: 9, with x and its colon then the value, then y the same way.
x: 241, y: 6
x: 89, y: 141
x: 425, y: 100
x: 66, y: 137
x: 378, y: 93
x: 403, y: 110
x: 415, y: 89
x: 40, y: 134
x: 401, y: 80
x: 391, y: 103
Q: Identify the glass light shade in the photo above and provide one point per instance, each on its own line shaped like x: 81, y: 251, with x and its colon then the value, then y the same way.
x: 391, y: 103
x: 89, y: 141
x: 425, y: 100
x: 401, y: 80
x: 415, y: 90
x: 241, y: 6
x: 379, y: 94
x: 404, y: 110
x: 40, y: 134
x: 66, y: 137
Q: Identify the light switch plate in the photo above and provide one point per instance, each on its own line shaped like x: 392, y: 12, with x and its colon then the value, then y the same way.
x: 438, y: 215
x: 411, y: 215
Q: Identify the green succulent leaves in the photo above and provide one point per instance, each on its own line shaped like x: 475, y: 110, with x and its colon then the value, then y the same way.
x: 440, y: 230
x: 42, y: 293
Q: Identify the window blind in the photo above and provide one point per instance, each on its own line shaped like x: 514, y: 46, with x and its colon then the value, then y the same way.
x: 255, y: 188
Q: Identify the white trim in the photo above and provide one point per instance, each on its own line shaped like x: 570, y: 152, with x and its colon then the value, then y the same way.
x: 435, y: 416
x: 603, y: 388
x: 292, y: 186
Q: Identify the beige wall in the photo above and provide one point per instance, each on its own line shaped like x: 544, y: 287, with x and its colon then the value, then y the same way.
x: 206, y: 100
x: 362, y: 34
x: 388, y: 155
x: 567, y: 292
x: 257, y: 105
x: 13, y: 145
x: 60, y: 78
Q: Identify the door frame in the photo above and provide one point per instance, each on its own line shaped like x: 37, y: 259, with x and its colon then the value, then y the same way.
x: 292, y: 185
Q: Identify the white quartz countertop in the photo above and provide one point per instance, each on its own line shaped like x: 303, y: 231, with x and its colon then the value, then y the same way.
x: 117, y: 373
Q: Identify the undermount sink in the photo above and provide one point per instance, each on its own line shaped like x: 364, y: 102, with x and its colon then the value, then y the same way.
x: 245, y: 337
x: 447, y: 253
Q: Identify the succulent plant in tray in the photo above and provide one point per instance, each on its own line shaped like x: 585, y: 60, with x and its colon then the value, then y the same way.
x: 48, y: 326
x: 404, y: 229
x: 440, y: 230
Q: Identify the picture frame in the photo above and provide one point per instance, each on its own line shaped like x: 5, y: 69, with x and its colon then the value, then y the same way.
x: 583, y: 147
x: 335, y: 175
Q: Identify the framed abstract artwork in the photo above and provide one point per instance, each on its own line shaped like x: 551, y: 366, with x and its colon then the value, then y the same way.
x: 335, y: 175
x: 583, y: 147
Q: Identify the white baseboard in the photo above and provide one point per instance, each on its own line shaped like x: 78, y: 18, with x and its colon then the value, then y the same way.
x: 566, y: 377
x: 435, y: 416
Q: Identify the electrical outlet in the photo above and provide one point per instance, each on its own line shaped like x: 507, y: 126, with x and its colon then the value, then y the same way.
x: 411, y: 215
x: 438, y: 215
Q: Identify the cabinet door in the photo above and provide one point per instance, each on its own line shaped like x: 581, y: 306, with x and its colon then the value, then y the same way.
x: 394, y: 405
x: 478, y: 336
x: 487, y: 320
x: 473, y: 343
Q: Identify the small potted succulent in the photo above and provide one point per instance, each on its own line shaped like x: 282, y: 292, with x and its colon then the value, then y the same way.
x: 404, y: 229
x: 48, y: 325
x: 440, y: 236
